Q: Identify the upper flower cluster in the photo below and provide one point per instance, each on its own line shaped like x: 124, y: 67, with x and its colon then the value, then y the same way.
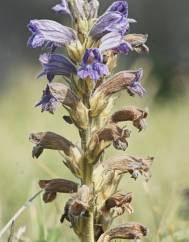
x: 92, y: 44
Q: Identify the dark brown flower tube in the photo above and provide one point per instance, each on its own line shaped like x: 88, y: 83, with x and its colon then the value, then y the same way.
x: 51, y: 187
x: 104, y: 138
x: 49, y: 140
x: 131, y: 113
x: 119, y: 203
x: 128, y: 231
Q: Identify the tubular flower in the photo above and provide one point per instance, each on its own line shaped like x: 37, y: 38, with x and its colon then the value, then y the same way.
x: 107, y: 23
x: 62, y: 7
x: 55, y: 64
x: 92, y: 65
x: 119, y: 6
x: 87, y: 92
x: 123, y: 48
x: 48, y: 102
x: 49, y: 33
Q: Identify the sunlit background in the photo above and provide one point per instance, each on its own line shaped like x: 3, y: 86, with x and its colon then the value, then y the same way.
x: 161, y: 204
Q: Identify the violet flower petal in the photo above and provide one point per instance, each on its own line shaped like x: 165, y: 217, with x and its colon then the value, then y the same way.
x: 49, y: 33
x: 56, y: 64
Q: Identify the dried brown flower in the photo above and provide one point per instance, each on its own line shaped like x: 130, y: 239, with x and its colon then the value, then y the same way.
x: 119, y: 203
x: 138, y: 41
x: 77, y: 110
x: 128, y: 231
x: 107, y: 175
x: 49, y: 140
x: 51, y: 187
x: 131, y: 113
x: 104, y: 138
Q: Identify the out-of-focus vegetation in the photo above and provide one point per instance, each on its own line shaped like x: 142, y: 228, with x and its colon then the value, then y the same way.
x: 159, y: 204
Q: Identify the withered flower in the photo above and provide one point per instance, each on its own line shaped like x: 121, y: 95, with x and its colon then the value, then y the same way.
x: 138, y: 41
x: 107, y: 175
x: 76, y: 108
x: 51, y: 187
x: 128, y: 231
x: 87, y: 91
x: 104, y: 138
x: 117, y: 204
x: 77, y: 207
x: 52, y: 141
x: 124, y: 80
x: 130, y: 165
x: 136, y: 115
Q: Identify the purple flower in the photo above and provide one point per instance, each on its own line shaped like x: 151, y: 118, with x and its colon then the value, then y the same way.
x: 114, y: 41
x: 92, y: 65
x: 110, y: 41
x: 123, y: 48
x: 49, y: 33
x: 109, y: 22
x: 119, y: 6
x: 62, y: 7
x: 55, y: 64
x: 48, y: 102
x: 136, y: 87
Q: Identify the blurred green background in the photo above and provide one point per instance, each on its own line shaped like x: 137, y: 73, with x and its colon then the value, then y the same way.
x: 162, y: 204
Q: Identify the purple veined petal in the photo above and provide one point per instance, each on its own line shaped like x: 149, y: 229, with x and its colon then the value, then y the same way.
x: 109, y: 22
x: 56, y: 64
x: 136, y: 87
x: 62, y: 7
x: 92, y: 65
x: 110, y: 41
x: 48, y: 102
x: 123, y: 48
x: 119, y: 6
x: 102, y: 69
x: 49, y: 33
x: 91, y: 56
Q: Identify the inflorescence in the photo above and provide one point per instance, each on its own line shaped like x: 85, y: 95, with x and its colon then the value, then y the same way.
x: 88, y: 91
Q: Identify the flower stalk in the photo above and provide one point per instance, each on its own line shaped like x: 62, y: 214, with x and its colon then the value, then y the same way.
x: 88, y: 92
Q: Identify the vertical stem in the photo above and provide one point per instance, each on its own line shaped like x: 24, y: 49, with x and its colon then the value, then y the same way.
x: 88, y: 222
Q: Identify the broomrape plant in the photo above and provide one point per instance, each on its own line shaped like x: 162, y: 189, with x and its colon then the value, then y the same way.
x: 88, y: 90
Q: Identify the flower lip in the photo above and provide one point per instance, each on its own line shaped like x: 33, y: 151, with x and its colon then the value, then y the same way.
x: 119, y: 6
x: 136, y: 87
x: 62, y: 7
x: 48, y: 102
x: 92, y: 65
